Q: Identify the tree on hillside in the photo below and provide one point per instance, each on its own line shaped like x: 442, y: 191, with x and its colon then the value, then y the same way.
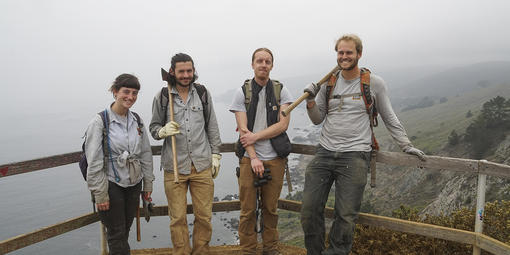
x: 494, y: 114
x: 489, y: 127
x: 453, y: 138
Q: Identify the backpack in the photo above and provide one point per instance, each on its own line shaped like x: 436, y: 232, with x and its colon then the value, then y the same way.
x: 277, y: 89
x: 202, y: 94
x: 106, y: 144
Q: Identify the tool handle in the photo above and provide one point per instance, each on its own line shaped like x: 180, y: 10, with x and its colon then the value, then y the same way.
x: 138, y: 234
x: 291, y: 107
x: 174, y: 145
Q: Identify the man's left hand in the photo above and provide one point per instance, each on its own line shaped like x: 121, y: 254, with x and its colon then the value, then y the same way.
x: 248, y: 138
x: 413, y: 151
x: 215, y: 169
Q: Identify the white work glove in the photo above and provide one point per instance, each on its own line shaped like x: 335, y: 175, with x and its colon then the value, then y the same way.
x: 215, y: 169
x: 312, y: 90
x: 171, y: 128
x: 413, y: 151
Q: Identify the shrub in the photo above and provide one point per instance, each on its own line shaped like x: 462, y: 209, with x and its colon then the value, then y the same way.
x: 377, y: 240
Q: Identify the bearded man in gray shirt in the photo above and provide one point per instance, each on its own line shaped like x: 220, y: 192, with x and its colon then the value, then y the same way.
x: 345, y: 145
x: 197, y: 145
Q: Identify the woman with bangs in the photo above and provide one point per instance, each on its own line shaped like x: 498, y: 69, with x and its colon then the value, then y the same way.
x: 119, y: 161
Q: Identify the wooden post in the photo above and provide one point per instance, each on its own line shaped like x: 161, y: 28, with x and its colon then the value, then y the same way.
x: 104, y: 251
x: 480, y: 205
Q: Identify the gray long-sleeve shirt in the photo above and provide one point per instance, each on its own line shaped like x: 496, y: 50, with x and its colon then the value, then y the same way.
x: 125, y: 138
x: 195, y: 143
x: 346, y: 125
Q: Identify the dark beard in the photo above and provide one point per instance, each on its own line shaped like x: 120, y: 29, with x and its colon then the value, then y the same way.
x: 182, y: 85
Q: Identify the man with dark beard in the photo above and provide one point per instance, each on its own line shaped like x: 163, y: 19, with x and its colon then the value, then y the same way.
x: 345, y: 147
x: 198, y: 146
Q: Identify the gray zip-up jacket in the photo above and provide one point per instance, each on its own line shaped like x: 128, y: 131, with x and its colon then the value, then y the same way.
x: 195, y: 143
x: 131, y: 155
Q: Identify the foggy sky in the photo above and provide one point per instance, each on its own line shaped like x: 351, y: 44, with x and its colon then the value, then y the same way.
x: 90, y: 42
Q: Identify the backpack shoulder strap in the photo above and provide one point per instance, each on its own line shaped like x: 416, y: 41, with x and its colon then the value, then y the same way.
x: 330, y: 87
x: 202, y: 94
x: 106, y: 121
x: 163, y: 99
x: 106, y: 142
x: 365, y: 89
x: 140, y: 123
x: 367, y: 96
x: 138, y: 119
x: 369, y: 103
x: 277, y: 89
x: 247, y: 93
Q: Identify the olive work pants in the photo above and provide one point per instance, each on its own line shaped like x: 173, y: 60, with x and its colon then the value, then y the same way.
x: 348, y: 170
x: 119, y: 218
x: 201, y: 187
x: 270, y: 193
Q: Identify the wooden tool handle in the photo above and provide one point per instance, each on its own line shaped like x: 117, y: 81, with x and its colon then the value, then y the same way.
x: 174, y: 145
x: 138, y: 234
x: 306, y: 94
x: 294, y: 104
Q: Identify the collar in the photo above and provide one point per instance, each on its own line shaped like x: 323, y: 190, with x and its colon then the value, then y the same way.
x: 116, y: 118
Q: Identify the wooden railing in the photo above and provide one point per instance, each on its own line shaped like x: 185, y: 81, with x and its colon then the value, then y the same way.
x: 477, y: 239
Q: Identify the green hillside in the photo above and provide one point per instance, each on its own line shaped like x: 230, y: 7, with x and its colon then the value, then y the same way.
x: 429, y: 127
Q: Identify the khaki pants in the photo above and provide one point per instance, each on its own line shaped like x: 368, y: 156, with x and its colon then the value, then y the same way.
x: 201, y: 187
x: 270, y: 194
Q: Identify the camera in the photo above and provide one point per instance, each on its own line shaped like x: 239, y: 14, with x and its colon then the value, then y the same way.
x: 266, y: 176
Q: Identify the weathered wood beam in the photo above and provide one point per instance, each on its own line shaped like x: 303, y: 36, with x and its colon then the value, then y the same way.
x: 39, y: 164
x: 451, y: 234
x: 390, y: 158
x: 433, y: 162
x: 223, y: 206
x: 42, y: 234
x: 492, y: 245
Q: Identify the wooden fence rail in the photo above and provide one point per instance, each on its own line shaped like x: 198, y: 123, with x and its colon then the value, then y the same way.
x: 486, y: 243
x: 390, y: 158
